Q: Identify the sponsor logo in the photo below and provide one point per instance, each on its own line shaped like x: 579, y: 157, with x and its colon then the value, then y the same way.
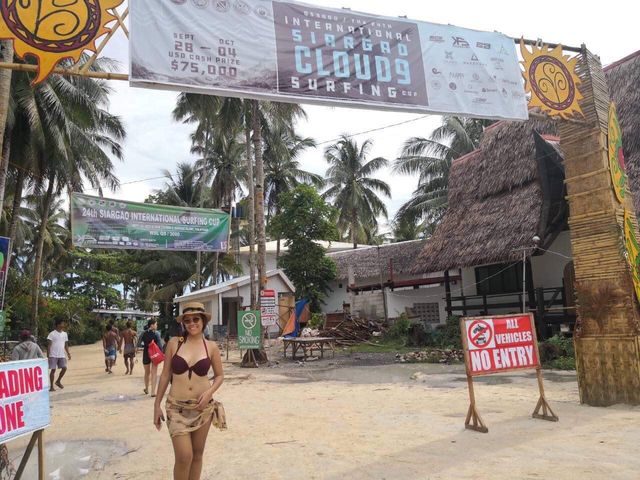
x: 223, y: 5
x: 436, y: 39
x: 460, y: 42
x: 517, y: 95
x: 503, y: 51
x: 476, y: 77
x: 448, y: 55
x: 436, y: 84
x: 474, y: 58
x: 497, y: 59
x: 262, y: 12
x: 242, y: 7
x: 479, y: 100
x: 200, y: 3
x: 489, y: 90
x: 486, y: 46
x: 179, y: 2
x: 456, y: 75
x: 505, y: 93
x: 435, y: 71
x: 453, y: 86
x: 510, y: 82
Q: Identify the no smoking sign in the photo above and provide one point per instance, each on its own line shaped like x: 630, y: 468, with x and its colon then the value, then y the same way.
x: 481, y: 334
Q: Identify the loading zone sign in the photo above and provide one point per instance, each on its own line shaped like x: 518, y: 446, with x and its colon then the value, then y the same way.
x: 249, y: 330
x: 500, y: 344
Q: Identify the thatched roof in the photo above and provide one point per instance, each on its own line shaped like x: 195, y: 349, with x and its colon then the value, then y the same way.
x: 623, y: 78
x: 496, y: 202
x: 370, y: 261
x: 507, y: 191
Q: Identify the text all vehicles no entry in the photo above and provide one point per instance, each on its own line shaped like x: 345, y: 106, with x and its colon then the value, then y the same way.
x: 500, y: 344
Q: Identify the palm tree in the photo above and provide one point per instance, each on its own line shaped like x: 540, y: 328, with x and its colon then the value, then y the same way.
x: 69, y: 115
x: 431, y: 158
x: 185, y: 188
x: 282, y: 169
x: 6, y: 56
x: 353, y: 188
x: 282, y: 172
x: 406, y: 229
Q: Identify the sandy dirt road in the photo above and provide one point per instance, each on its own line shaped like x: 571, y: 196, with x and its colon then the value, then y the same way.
x: 334, y: 420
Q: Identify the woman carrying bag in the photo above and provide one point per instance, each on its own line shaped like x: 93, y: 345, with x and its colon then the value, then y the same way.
x: 151, y: 342
x: 190, y: 407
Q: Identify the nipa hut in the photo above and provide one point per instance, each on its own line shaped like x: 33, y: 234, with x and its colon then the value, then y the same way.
x: 505, y: 231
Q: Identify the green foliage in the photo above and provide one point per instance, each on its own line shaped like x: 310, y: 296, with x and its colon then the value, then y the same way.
x: 316, y: 320
x: 558, y: 352
x: 354, y: 190
x: 400, y: 328
x: 306, y: 217
x: 448, y: 335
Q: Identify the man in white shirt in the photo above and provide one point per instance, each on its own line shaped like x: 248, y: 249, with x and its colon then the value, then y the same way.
x: 58, y: 353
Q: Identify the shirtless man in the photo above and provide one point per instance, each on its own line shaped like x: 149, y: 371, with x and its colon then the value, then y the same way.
x: 110, y: 342
x: 129, y: 340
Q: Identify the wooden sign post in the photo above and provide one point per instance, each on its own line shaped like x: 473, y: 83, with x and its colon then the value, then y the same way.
x: 497, y: 344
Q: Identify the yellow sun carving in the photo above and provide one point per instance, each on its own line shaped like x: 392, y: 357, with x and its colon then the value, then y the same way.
x: 53, y: 30
x: 551, y: 80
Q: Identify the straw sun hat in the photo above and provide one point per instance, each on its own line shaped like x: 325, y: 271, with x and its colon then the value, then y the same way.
x: 192, y: 308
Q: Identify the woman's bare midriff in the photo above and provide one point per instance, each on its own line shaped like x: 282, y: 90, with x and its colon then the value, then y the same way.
x: 183, y: 388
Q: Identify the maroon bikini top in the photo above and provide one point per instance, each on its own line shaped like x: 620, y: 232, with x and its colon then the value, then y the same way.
x: 179, y: 365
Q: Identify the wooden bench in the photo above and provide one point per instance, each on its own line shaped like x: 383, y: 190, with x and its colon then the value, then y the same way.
x: 308, y: 346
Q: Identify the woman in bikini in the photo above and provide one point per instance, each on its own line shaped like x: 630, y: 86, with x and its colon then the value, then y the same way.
x: 190, y: 406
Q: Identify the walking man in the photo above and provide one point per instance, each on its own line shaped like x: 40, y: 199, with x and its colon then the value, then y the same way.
x: 129, y: 339
x: 58, y: 352
x: 110, y: 341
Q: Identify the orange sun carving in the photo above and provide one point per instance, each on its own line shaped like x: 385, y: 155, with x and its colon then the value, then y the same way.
x: 53, y: 30
x: 551, y: 80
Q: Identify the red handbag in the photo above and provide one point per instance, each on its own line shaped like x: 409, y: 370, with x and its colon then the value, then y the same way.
x: 155, y: 354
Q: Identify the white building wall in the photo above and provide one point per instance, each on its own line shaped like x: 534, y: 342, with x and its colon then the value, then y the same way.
x: 399, y: 299
x: 548, y: 269
x: 270, y: 261
x: 337, y: 297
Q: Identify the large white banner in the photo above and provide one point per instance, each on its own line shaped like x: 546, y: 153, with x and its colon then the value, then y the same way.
x: 293, y: 52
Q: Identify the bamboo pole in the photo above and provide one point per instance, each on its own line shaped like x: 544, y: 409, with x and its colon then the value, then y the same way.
x: 25, y: 67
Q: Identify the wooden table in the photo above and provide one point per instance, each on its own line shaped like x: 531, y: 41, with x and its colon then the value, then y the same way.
x: 309, y: 344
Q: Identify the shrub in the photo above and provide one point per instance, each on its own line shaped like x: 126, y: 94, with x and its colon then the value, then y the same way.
x: 316, y: 320
x: 558, y: 352
x: 448, y: 335
x: 400, y: 329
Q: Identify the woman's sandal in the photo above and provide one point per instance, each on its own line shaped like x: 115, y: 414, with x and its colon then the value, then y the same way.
x: 146, y: 392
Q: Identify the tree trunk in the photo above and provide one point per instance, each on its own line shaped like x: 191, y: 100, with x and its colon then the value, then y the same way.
x: 259, y: 193
x: 6, y: 56
x: 17, y: 200
x: 4, y: 166
x: 252, y: 216
x: 37, y: 268
x: 354, y: 237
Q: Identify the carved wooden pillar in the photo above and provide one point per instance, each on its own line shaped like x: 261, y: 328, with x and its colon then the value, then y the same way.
x: 606, y: 340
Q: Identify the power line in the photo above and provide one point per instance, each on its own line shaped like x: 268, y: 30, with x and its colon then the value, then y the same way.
x: 378, y: 129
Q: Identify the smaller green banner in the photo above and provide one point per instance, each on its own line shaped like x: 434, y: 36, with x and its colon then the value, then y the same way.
x: 249, y: 329
x: 2, y: 321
